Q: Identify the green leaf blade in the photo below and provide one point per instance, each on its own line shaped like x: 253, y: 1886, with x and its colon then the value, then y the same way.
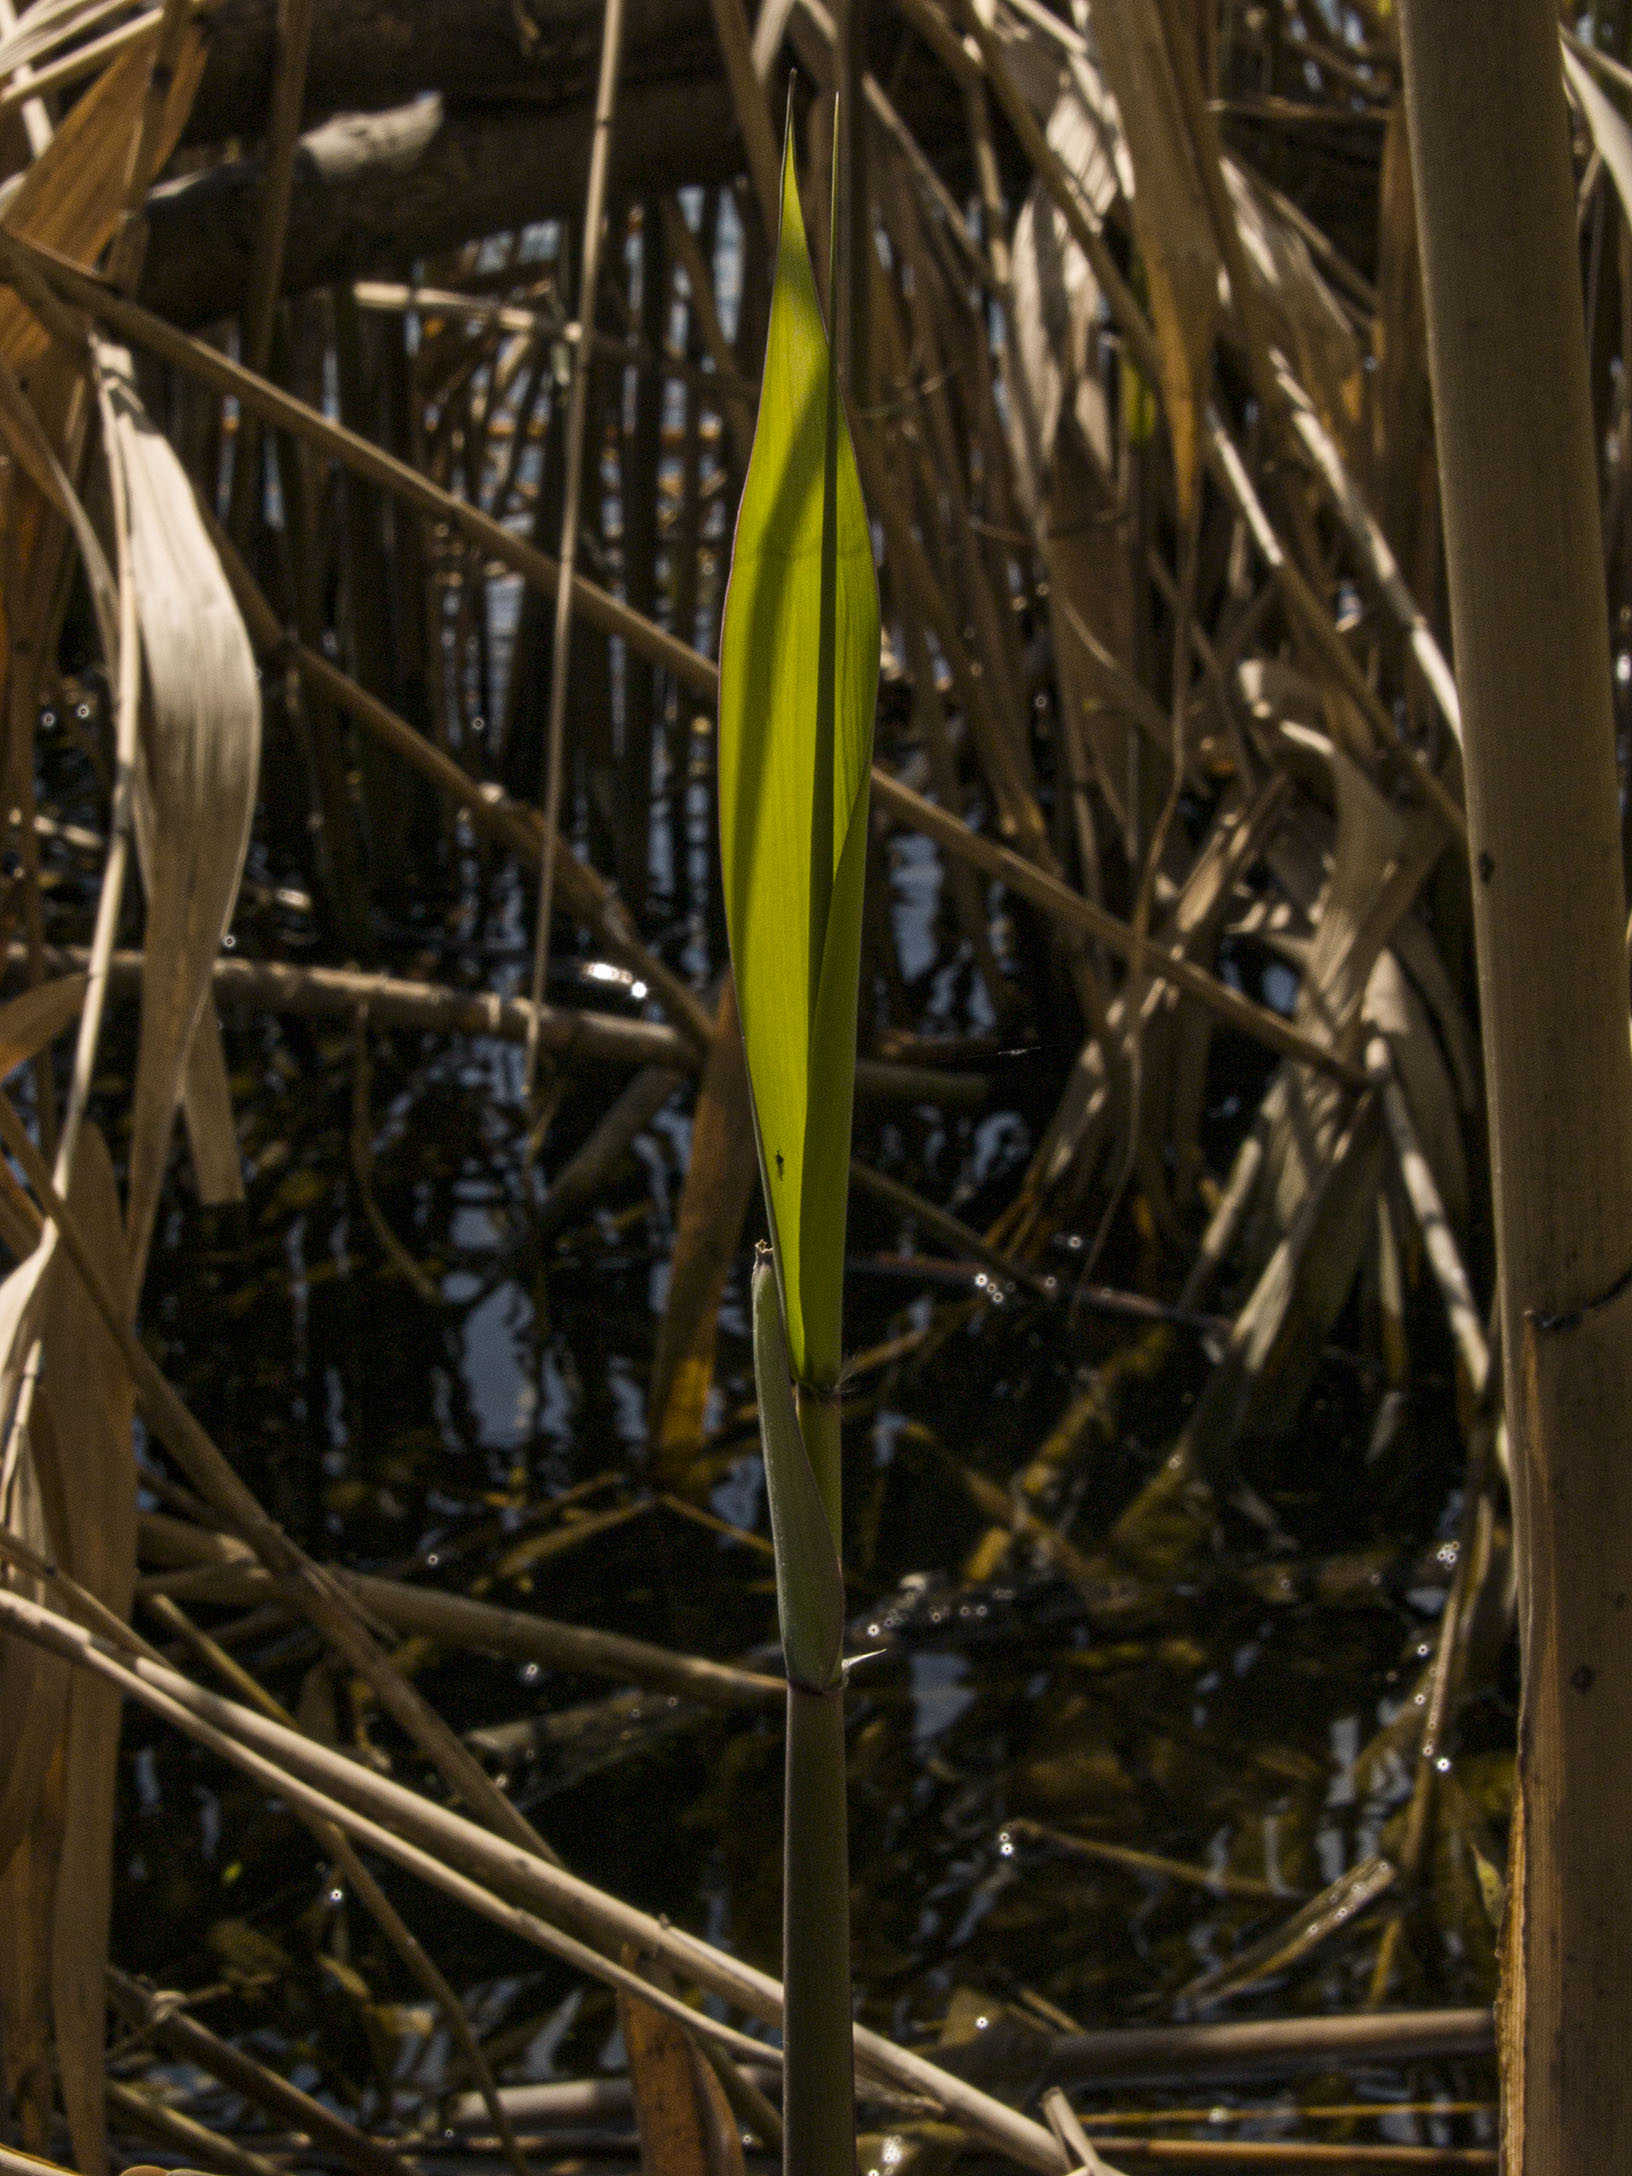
x: 798, y: 685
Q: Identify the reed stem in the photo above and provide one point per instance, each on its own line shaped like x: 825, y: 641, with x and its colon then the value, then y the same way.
x: 818, y: 2107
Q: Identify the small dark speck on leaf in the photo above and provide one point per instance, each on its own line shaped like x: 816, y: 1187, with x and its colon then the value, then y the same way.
x: 1582, y: 1679
x: 1487, y: 867
x: 779, y: 1163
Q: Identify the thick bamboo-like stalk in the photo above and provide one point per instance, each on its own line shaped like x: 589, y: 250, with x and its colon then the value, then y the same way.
x: 1496, y: 212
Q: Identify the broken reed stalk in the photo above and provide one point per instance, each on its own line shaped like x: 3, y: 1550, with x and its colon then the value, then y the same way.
x: 589, y: 273
x: 1497, y: 218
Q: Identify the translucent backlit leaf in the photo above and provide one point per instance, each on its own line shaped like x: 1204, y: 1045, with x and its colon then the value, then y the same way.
x: 798, y: 682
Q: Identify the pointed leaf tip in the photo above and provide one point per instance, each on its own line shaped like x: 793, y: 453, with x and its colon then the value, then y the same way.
x: 798, y: 682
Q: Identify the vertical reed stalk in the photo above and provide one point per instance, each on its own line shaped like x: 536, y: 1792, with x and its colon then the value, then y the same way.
x: 818, y: 2088
x: 819, y: 2118
x: 1496, y: 210
x: 577, y: 409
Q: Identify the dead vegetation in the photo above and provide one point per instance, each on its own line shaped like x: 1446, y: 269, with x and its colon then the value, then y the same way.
x: 1170, y: 1059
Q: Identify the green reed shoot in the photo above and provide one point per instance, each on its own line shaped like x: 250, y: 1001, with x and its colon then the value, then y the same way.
x: 798, y: 684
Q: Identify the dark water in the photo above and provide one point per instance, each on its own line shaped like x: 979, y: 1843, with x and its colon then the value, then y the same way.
x: 478, y: 1442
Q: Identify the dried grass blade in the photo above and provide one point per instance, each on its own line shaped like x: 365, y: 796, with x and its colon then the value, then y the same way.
x: 1171, y: 220
x: 71, y: 197
x: 206, y: 1105
x: 33, y: 1689
x: 1605, y: 122
x: 196, y: 776
x: 668, y: 2090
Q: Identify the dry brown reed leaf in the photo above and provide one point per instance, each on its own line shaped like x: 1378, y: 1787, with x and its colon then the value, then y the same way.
x: 1270, y: 1358
x: 29, y: 1022
x: 70, y: 198
x: 1394, y: 1010
x: 26, y: 1884
x: 1606, y: 123
x: 1305, y: 318
x: 1379, y: 860
x: 1171, y: 220
x: 1061, y: 437
x: 1074, y: 1143
x: 82, y: 1427
x: 33, y: 1700
x: 1056, y: 298
x: 196, y: 774
x: 206, y: 1106
x: 21, y: 1291
x: 681, y: 2114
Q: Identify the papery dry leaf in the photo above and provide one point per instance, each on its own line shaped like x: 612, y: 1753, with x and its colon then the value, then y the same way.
x: 1305, y: 319
x: 71, y: 197
x: 1396, y: 1012
x: 196, y: 777
x: 1056, y: 298
x: 1171, y: 221
x: 1607, y: 125
x: 1380, y: 860
x: 206, y: 1105
x: 33, y: 1693
x: 1272, y: 1353
x: 685, y: 2125
x: 1060, y: 430
x: 29, y: 1022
